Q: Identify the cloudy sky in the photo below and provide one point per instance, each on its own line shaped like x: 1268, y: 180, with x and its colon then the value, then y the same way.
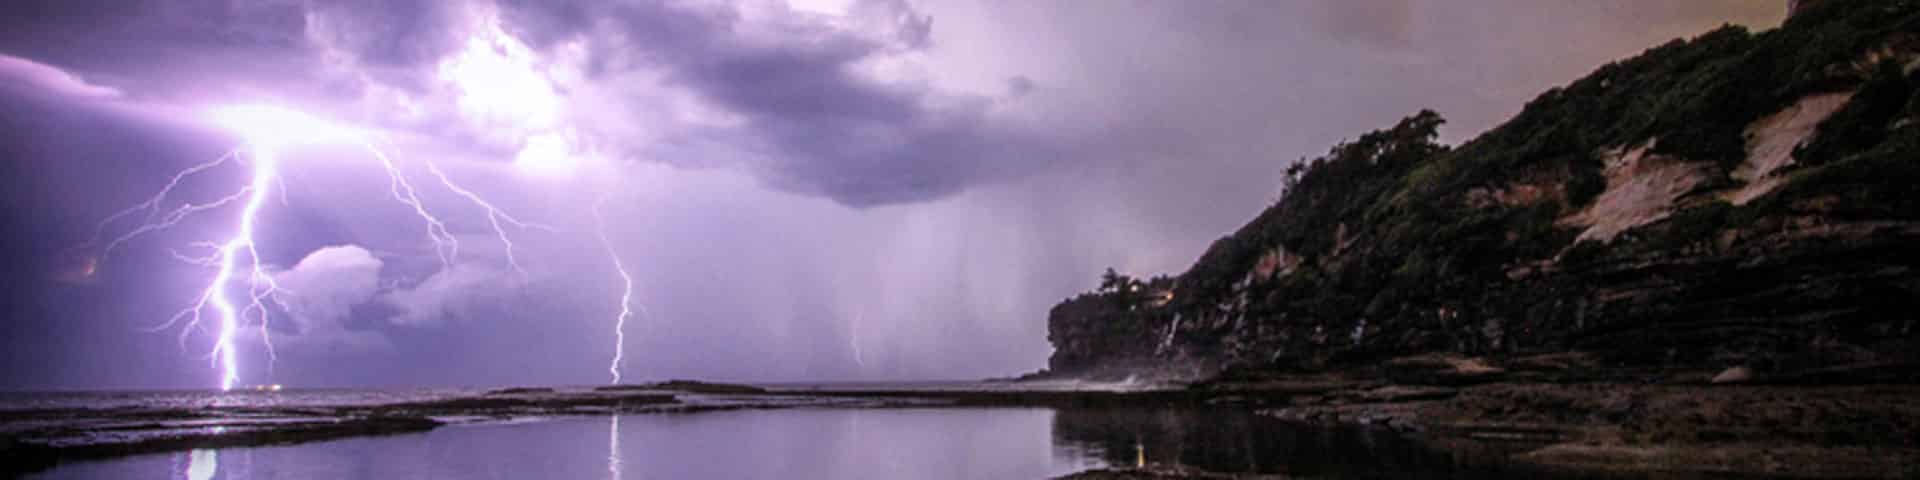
x: 799, y: 189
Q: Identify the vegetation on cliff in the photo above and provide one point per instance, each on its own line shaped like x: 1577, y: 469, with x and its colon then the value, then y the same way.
x: 1647, y: 213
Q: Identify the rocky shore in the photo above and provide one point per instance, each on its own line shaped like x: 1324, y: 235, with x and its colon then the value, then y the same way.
x: 1565, y: 414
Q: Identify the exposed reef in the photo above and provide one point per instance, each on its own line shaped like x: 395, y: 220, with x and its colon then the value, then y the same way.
x: 687, y: 386
x: 1565, y: 414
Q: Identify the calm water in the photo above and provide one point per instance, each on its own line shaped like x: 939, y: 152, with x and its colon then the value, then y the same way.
x: 173, y: 399
x: 1002, y: 443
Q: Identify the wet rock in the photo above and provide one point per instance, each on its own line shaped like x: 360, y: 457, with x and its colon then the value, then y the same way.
x: 1163, y: 473
x: 1731, y: 460
x: 519, y: 391
x: 1404, y: 393
x: 38, y: 450
x: 688, y: 386
x: 1733, y: 375
x: 523, y: 404
x: 1442, y: 369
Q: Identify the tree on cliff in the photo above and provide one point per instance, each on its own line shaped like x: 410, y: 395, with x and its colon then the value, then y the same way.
x: 1128, y: 291
x: 1114, y: 282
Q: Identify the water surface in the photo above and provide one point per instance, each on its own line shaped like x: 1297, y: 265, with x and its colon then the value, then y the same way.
x: 888, y: 443
x: 794, y: 443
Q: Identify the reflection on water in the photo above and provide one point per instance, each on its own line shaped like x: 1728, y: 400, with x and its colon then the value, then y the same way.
x: 202, y: 464
x: 1241, y: 442
x: 613, y: 447
x: 821, y: 443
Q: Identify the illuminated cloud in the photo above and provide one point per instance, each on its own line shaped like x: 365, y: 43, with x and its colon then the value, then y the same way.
x: 464, y: 292
x: 321, y: 292
x: 16, y: 70
x: 815, y: 103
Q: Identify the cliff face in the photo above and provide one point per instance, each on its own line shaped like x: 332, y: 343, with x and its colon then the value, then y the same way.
x: 1747, y: 199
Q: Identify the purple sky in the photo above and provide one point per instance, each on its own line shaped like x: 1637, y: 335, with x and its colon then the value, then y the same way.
x: 821, y: 190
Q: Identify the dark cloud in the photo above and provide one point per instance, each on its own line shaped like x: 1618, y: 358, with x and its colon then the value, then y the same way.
x: 389, y: 33
x: 812, y: 116
x: 38, y: 78
x: 1383, y: 23
x: 909, y: 26
x: 159, y: 47
x: 1018, y: 86
x: 1009, y: 155
x: 543, y: 23
x: 812, y: 122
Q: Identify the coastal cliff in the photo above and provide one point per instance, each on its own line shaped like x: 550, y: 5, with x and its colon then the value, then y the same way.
x: 1740, y: 200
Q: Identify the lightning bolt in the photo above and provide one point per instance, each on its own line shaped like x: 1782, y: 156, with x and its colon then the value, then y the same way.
x: 155, y: 219
x: 239, y: 255
x: 853, y: 339
x: 626, y: 295
x: 225, y: 259
x: 445, y: 245
x: 496, y: 217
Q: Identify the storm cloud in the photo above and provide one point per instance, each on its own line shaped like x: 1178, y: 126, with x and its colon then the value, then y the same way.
x: 821, y: 189
x: 805, y: 102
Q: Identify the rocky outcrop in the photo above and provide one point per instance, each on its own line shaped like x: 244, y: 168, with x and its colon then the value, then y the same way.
x: 1109, y: 340
x: 1771, y: 143
x: 1794, y: 7
x: 1642, y: 188
x: 1736, y: 200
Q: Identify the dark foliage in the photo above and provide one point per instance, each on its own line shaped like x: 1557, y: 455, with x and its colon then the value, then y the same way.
x: 1393, y: 243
